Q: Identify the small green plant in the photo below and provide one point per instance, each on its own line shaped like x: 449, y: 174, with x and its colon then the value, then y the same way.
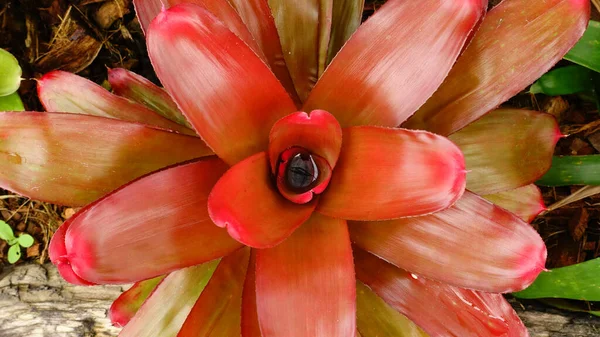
x: 15, y: 243
x: 10, y: 80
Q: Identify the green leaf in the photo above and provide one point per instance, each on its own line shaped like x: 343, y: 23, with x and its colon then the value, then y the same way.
x: 25, y: 240
x: 11, y: 102
x: 577, y: 306
x: 587, y: 51
x: 573, y: 170
x: 14, y: 253
x: 6, y: 233
x: 564, y: 81
x: 10, y: 73
x: 577, y: 282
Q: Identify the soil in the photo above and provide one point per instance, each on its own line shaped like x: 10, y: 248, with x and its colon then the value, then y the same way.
x: 86, y: 36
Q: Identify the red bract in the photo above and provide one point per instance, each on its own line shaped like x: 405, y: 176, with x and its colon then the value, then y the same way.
x: 299, y: 158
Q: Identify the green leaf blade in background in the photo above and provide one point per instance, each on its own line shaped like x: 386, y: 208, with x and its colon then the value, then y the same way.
x: 577, y: 282
x: 587, y: 51
x: 572, y: 170
x: 564, y: 81
x: 11, y: 102
x: 10, y: 73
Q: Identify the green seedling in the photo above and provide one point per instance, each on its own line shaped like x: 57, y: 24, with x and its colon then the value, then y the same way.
x: 11, y: 102
x: 10, y: 73
x: 15, y: 243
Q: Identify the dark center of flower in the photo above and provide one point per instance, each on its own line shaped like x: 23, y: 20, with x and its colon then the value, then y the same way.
x: 301, y: 172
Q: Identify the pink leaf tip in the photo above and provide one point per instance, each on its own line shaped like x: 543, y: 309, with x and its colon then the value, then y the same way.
x: 58, y: 256
x: 532, y: 263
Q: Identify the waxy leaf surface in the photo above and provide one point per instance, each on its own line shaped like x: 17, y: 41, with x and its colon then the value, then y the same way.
x: 304, y: 29
x: 73, y: 159
x: 138, y: 89
x: 130, y: 301
x: 507, y: 148
x: 149, y: 9
x: 226, y: 92
x: 472, y: 244
x: 60, y: 91
x: 312, y: 274
x: 246, y: 202
x: 164, y: 313
x: 259, y: 20
x: 517, y: 42
x: 150, y: 227
x: 387, y: 70
x: 218, y: 310
x: 526, y: 202
x: 250, y: 326
x: 390, y: 173
x: 346, y: 17
x: 375, y: 318
x: 439, y: 309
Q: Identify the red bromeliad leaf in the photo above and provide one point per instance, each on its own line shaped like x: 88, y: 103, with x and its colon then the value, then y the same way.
x: 138, y: 89
x: 304, y: 30
x: 128, y: 304
x: 149, y: 9
x: 218, y: 310
x: 56, y: 249
x: 257, y: 16
x: 526, y: 202
x: 388, y: 70
x: 245, y: 202
x: 390, y: 173
x: 490, y: 71
x: 250, y: 326
x: 473, y: 244
x: 375, y: 318
x: 226, y: 92
x: 66, y: 92
x: 148, y: 228
x: 317, y: 132
x: 507, y: 148
x: 346, y: 17
x: 312, y: 274
x: 166, y: 310
x: 75, y: 159
x: 441, y: 310
x: 251, y: 20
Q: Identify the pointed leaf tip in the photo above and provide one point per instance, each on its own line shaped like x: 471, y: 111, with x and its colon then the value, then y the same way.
x: 107, y: 242
x: 202, y: 64
x: 507, y: 256
x: 387, y: 70
x: 489, y: 71
x: 61, y: 91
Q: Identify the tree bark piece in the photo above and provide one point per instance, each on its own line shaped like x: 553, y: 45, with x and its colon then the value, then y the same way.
x: 36, y: 302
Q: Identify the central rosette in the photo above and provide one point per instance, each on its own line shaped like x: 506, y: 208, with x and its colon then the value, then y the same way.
x: 303, y: 149
x: 304, y: 171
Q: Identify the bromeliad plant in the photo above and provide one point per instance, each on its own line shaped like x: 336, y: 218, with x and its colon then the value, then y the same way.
x: 303, y: 209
